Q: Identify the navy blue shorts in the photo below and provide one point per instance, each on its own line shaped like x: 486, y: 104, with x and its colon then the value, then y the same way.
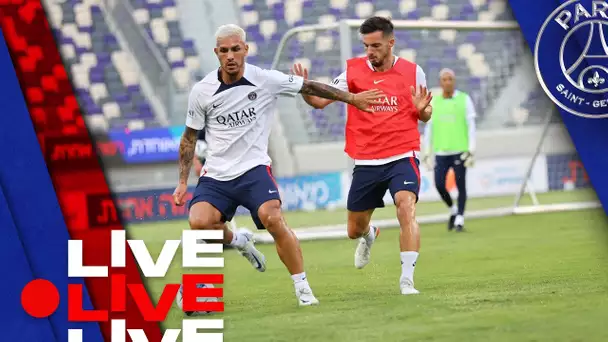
x: 370, y: 183
x: 252, y: 189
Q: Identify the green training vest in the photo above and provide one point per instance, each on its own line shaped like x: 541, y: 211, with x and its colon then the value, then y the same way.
x: 449, y: 127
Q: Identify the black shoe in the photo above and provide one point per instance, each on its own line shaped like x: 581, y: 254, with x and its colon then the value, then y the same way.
x: 451, y: 222
x: 459, y: 228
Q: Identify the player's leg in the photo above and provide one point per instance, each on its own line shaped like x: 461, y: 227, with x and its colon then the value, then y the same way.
x: 405, y: 186
x: 256, y: 221
x: 442, y: 166
x: 255, y: 257
x: 211, y: 207
x: 365, y: 195
x: 203, y: 215
x: 263, y: 197
x: 460, y: 171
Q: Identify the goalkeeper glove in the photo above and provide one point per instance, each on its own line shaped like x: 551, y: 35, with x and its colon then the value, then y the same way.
x: 468, y: 159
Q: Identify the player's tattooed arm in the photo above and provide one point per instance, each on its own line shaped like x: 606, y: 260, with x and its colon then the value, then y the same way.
x: 363, y: 100
x: 186, y: 153
x: 316, y: 102
x: 326, y: 91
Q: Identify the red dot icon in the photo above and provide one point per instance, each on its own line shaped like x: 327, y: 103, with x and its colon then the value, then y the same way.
x: 40, y: 298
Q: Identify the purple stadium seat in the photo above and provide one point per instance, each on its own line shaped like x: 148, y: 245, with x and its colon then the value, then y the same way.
x: 134, y: 89
x: 430, y: 49
x: 104, y: 44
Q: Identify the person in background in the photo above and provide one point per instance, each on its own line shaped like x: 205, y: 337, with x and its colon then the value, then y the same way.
x: 450, y: 137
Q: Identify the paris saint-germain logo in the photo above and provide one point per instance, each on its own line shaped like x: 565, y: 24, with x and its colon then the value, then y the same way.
x: 571, y: 57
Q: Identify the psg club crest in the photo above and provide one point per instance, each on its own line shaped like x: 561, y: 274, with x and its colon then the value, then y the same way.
x: 571, y: 57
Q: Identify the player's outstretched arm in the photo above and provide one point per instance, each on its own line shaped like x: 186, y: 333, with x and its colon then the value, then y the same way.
x: 316, y: 102
x: 362, y: 100
x: 186, y: 155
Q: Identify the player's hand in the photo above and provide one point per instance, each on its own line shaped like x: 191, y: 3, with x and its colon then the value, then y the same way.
x: 421, y: 97
x: 468, y: 159
x: 427, y: 113
x: 179, y: 194
x: 365, y: 99
x: 299, y: 70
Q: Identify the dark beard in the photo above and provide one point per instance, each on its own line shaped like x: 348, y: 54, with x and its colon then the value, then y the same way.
x: 377, y: 64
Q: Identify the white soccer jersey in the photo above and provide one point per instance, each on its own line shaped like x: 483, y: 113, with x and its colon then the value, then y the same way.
x: 237, y: 118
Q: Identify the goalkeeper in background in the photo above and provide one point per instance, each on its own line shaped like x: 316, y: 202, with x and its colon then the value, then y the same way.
x: 450, y: 136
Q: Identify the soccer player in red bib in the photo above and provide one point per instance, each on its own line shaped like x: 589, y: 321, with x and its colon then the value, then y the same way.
x: 385, y: 145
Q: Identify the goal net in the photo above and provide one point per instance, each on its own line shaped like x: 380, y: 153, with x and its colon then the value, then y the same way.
x: 525, y: 162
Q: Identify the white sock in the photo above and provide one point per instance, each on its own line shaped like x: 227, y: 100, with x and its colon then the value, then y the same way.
x: 454, y: 209
x: 370, y: 237
x: 238, y: 240
x: 408, y: 263
x: 459, y: 220
x: 299, y: 280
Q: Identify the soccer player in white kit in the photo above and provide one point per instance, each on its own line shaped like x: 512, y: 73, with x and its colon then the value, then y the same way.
x: 235, y: 105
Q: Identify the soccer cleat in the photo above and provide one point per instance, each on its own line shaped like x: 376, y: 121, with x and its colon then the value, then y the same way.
x: 249, y: 252
x: 305, y: 297
x: 407, y: 287
x: 363, y: 251
x: 459, y: 223
x: 451, y: 222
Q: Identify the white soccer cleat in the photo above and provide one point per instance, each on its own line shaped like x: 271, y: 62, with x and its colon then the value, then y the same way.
x: 363, y: 251
x: 407, y: 287
x: 305, y: 297
x: 249, y: 252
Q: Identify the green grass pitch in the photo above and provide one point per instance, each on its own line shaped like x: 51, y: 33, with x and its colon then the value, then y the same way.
x: 537, y: 277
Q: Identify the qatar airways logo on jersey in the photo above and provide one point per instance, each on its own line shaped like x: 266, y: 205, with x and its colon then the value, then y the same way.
x: 387, y: 104
x: 238, y: 118
x: 40, y: 298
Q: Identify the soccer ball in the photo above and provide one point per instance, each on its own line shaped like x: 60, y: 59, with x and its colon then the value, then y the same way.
x: 179, y: 298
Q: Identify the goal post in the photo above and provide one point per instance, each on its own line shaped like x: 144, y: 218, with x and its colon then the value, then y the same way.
x: 525, y: 163
x: 347, y: 25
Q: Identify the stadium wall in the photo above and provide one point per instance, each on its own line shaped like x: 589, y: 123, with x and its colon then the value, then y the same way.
x: 202, y: 30
x: 147, y: 159
x: 489, y: 177
x: 328, y: 157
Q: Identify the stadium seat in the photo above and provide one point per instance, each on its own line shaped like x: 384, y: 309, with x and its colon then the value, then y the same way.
x: 481, y: 59
x: 160, y: 19
x: 536, y: 100
x: 102, y: 73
